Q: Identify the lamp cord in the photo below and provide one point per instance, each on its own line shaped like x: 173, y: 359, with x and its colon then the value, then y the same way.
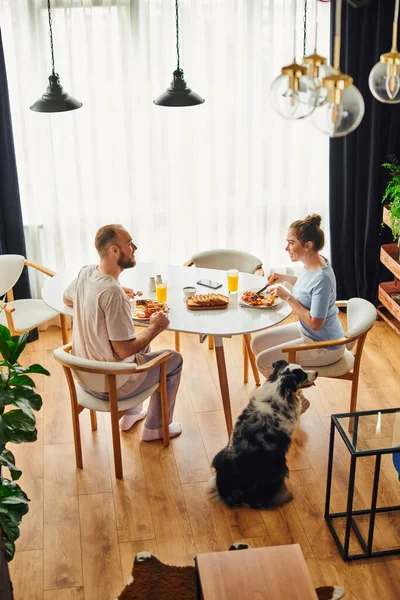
x: 51, y: 37
x: 294, y: 30
x: 395, y: 25
x: 177, y: 35
x: 338, y: 26
x: 316, y: 26
x: 305, y: 28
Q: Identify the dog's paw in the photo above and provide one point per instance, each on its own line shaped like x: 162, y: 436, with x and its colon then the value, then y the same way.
x: 239, y: 546
x: 141, y: 556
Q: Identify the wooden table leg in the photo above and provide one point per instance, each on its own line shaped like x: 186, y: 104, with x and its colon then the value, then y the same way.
x: 247, y: 338
x: 223, y: 382
x: 64, y: 329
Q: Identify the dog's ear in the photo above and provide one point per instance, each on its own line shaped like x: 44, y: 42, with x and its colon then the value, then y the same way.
x: 279, y: 364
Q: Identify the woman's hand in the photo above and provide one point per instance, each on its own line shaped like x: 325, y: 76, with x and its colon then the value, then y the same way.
x: 275, y: 278
x: 281, y: 291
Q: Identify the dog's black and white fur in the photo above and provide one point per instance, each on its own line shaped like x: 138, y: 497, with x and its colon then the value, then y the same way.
x: 251, y: 469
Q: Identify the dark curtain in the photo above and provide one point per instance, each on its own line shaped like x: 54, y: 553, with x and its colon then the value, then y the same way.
x: 12, y: 240
x: 357, y: 179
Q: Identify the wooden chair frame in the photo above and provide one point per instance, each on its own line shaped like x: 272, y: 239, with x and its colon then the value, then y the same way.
x: 246, y: 349
x: 10, y: 309
x: 114, y: 412
x: 354, y: 374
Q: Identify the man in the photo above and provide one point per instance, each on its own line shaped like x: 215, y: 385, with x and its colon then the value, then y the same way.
x: 103, y: 329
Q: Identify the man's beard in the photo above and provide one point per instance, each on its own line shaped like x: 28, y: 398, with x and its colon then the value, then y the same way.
x: 126, y: 262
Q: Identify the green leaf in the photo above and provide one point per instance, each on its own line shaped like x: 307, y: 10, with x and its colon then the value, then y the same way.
x: 4, y: 333
x: 10, y: 529
x: 20, y: 394
x: 32, y: 369
x: 10, y: 549
x: 21, y: 380
x: 4, y: 349
x: 7, y: 460
x: 20, y: 343
x: 18, y: 426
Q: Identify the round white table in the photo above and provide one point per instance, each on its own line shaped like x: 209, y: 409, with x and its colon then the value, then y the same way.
x: 235, y: 320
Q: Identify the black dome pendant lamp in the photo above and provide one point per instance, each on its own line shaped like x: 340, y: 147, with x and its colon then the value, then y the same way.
x: 55, y: 99
x: 178, y: 94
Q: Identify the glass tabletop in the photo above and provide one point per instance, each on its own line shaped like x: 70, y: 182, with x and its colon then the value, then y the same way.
x: 374, y: 431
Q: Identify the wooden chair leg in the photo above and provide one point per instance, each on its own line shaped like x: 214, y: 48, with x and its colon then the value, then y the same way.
x: 243, y: 345
x: 64, y: 329
x: 164, y: 403
x: 112, y: 389
x: 75, y: 418
x: 177, y: 341
x: 245, y: 363
x: 256, y: 374
x: 93, y: 420
x: 211, y: 342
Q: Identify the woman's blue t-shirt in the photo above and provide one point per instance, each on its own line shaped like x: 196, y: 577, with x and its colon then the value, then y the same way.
x: 316, y: 291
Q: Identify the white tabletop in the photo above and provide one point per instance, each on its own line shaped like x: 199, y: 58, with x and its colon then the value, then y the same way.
x: 234, y: 320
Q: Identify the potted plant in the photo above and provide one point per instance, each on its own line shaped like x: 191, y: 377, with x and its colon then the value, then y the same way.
x: 18, y: 400
x: 391, y: 198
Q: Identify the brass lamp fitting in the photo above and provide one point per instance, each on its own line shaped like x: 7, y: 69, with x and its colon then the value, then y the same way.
x: 313, y: 62
x: 335, y: 84
x: 294, y: 71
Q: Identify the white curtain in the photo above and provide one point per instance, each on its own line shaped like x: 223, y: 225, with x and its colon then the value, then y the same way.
x: 229, y: 173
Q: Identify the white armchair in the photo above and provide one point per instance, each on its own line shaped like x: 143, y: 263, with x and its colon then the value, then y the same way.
x: 107, y: 377
x: 361, y: 316
x: 223, y: 260
x: 24, y: 315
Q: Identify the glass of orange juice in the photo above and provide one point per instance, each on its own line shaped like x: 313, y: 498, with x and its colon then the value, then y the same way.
x: 233, y: 281
x: 161, y: 291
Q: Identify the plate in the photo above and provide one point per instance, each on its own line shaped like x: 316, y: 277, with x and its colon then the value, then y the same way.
x: 277, y: 301
x: 138, y: 308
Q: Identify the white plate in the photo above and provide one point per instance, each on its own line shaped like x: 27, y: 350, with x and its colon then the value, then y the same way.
x: 137, y: 309
x: 278, y: 301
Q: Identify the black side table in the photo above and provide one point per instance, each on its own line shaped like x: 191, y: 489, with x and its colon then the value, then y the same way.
x: 381, y: 424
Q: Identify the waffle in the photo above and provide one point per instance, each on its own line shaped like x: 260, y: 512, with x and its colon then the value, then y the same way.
x: 207, y: 301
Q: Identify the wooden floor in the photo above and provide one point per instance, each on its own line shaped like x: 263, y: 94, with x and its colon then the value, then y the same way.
x: 79, y: 539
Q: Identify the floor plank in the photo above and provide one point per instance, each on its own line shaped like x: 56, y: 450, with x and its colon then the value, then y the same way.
x: 26, y: 572
x: 102, y: 573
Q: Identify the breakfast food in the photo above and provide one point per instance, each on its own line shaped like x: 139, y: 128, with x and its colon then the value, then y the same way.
x: 139, y: 293
x: 263, y: 299
x: 207, y: 301
x: 143, y: 309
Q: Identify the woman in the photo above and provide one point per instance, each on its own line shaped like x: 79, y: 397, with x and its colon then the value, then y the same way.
x: 312, y: 299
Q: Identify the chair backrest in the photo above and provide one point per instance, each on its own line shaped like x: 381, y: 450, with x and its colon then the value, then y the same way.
x: 361, y: 315
x: 227, y: 259
x: 96, y: 378
x: 11, y: 266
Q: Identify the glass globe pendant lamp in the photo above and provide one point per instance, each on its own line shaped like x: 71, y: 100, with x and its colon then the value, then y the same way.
x: 289, y: 88
x: 178, y: 94
x: 344, y: 108
x: 55, y: 99
x: 384, y: 78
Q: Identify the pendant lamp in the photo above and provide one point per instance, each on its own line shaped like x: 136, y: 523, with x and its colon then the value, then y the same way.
x: 178, y: 94
x: 288, y: 90
x: 344, y: 109
x: 317, y: 69
x: 55, y: 99
x: 384, y: 79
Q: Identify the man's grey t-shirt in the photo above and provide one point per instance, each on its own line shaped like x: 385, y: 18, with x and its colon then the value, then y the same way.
x: 316, y: 291
x: 102, y: 314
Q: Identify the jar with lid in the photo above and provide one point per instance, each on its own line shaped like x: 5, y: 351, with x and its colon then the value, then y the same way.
x: 152, y: 284
x: 158, y: 279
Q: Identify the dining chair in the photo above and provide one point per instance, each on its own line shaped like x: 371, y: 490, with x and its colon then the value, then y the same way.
x: 361, y: 316
x: 223, y: 259
x: 106, y: 377
x: 24, y: 315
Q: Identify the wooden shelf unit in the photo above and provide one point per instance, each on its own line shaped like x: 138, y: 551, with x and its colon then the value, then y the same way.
x: 389, y: 310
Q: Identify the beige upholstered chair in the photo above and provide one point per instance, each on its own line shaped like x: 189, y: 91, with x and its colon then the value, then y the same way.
x: 223, y: 260
x: 24, y: 315
x: 361, y: 316
x: 107, y: 377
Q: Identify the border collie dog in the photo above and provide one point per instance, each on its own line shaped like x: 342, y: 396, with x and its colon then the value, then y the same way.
x: 251, y: 469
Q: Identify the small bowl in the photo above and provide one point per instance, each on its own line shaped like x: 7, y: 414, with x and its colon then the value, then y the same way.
x: 189, y: 291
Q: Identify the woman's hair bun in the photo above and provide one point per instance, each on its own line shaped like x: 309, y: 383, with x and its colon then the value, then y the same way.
x: 313, y: 220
